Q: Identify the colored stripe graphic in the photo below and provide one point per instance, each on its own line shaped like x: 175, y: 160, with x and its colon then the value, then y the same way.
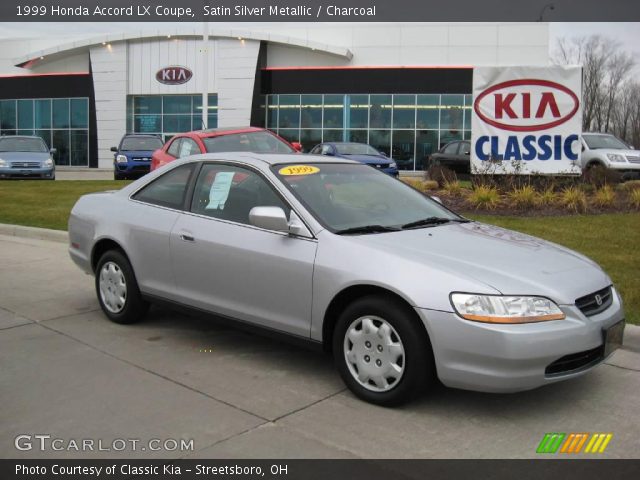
x: 550, y: 442
x: 598, y: 442
x: 574, y: 443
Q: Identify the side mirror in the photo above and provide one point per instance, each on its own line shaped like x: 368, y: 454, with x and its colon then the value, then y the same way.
x: 467, y: 152
x: 384, y: 154
x: 437, y: 199
x: 114, y: 149
x: 53, y: 150
x: 297, y: 146
x: 269, y: 218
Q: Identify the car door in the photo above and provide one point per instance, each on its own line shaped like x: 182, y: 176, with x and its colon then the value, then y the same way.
x: 225, y: 265
x: 151, y: 214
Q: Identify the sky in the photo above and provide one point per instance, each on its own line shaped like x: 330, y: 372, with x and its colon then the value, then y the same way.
x: 628, y: 34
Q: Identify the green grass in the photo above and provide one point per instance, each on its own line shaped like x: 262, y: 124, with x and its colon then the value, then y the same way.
x: 46, y: 204
x: 611, y: 240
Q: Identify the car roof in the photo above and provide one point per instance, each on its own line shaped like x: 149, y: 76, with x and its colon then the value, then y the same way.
x: 150, y: 135
x: 21, y: 136
x: 215, y: 132
x: 267, y: 158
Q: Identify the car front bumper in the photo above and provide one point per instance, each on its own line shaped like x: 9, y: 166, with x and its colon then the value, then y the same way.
x: 25, y: 173
x: 132, y: 168
x: 509, y: 358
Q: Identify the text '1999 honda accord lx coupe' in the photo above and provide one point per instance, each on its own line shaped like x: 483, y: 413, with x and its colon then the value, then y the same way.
x: 400, y: 288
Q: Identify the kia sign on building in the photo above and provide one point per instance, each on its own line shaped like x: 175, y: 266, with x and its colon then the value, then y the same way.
x: 174, y: 75
x: 526, y: 120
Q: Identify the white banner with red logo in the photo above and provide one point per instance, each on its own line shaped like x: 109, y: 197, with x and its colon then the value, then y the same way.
x: 526, y: 120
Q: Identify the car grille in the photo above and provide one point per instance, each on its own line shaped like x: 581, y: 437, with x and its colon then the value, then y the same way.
x: 139, y: 168
x: 633, y: 158
x: 25, y: 165
x: 141, y: 159
x: 595, y: 302
x: 575, y: 362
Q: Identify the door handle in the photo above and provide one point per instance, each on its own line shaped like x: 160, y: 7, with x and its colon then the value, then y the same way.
x: 187, y: 238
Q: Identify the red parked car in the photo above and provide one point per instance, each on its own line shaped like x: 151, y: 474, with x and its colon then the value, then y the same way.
x: 248, y: 139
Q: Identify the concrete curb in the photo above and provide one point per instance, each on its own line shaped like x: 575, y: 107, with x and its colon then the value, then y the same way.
x: 33, y: 232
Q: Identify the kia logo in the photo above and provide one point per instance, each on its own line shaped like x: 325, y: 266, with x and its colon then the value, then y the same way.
x: 526, y: 105
x: 174, y: 75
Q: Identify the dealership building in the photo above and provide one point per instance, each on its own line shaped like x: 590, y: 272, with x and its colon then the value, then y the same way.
x: 404, y: 88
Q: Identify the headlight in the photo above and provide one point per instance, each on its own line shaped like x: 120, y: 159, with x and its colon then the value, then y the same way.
x: 393, y: 165
x: 3, y: 163
x: 48, y: 163
x: 121, y: 159
x: 505, y: 309
x: 616, y: 157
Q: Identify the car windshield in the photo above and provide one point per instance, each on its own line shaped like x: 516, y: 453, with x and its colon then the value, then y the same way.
x: 604, y: 141
x: 19, y: 144
x: 355, y: 149
x: 140, y: 143
x: 257, y: 142
x: 345, y: 197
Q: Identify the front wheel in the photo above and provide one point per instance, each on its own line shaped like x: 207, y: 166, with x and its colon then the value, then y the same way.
x: 381, y: 351
x: 117, y: 289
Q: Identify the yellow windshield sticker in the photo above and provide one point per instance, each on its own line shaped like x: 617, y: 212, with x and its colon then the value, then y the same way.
x: 298, y: 170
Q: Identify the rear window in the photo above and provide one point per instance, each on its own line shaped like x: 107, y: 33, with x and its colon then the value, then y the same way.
x: 141, y: 143
x: 17, y: 144
x: 257, y: 142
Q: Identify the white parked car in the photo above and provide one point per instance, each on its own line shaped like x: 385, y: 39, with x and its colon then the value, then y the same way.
x: 603, y: 149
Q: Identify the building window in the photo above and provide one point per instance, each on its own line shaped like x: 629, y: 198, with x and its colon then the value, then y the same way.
x: 407, y: 127
x: 167, y: 115
x: 63, y: 124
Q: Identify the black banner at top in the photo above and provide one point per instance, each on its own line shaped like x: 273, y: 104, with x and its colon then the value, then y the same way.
x: 319, y: 10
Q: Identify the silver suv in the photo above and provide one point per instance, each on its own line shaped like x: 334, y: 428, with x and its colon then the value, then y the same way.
x: 603, y: 149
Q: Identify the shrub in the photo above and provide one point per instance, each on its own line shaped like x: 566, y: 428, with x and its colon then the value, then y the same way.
x: 453, y: 188
x: 574, y: 199
x: 441, y: 174
x: 547, y: 197
x: 630, y: 185
x: 523, y: 197
x: 484, y: 197
x: 634, y: 198
x: 422, y: 185
x: 599, y: 175
x: 605, y: 196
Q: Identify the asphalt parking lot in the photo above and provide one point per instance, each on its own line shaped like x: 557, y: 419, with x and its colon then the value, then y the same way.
x: 68, y: 372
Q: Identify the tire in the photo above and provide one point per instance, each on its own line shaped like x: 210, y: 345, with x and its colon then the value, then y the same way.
x: 394, y: 370
x: 117, y: 289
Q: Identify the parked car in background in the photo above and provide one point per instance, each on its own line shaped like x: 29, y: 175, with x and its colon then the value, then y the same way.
x: 132, y: 157
x: 360, y: 152
x: 247, y: 139
x: 454, y: 155
x: 26, y: 157
x: 604, y: 149
x: 401, y: 289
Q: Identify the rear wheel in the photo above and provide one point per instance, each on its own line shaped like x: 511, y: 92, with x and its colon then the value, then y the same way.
x: 117, y: 289
x: 382, y: 353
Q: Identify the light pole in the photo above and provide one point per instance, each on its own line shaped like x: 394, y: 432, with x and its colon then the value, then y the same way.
x: 205, y: 76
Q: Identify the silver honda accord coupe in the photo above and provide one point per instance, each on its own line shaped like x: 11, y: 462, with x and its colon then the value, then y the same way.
x: 338, y: 254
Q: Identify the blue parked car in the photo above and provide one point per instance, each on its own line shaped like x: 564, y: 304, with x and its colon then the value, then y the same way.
x: 24, y: 156
x: 132, y: 158
x: 360, y: 152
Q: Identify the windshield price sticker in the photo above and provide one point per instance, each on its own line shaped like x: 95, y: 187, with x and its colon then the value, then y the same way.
x: 298, y: 170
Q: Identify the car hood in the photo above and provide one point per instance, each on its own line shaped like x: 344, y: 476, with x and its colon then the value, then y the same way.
x: 25, y: 156
x: 631, y: 153
x: 507, y: 261
x: 137, y: 153
x: 368, y: 159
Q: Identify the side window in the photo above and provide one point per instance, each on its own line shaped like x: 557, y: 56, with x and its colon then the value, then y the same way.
x: 326, y: 150
x: 465, y: 148
x: 168, y: 190
x: 451, y: 149
x: 174, y: 148
x: 316, y: 149
x: 229, y: 193
x: 188, y: 147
